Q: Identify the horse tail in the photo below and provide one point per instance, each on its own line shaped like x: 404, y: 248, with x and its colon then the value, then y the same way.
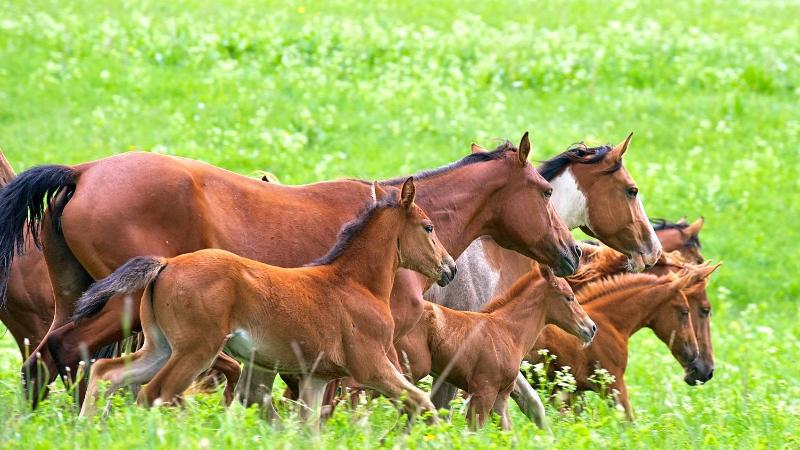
x: 25, y: 199
x: 134, y: 275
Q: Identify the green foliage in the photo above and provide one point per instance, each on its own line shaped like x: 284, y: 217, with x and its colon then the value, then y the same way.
x: 312, y: 91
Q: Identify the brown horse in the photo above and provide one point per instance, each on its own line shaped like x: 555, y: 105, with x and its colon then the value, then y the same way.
x: 29, y: 310
x: 324, y: 321
x: 480, y: 352
x: 148, y: 204
x: 681, y: 236
x: 622, y: 305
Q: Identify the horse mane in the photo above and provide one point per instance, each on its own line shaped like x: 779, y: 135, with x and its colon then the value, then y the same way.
x: 577, y: 153
x: 513, y: 292
x: 351, y: 229
x: 660, y: 224
x: 497, y: 153
x: 615, y: 283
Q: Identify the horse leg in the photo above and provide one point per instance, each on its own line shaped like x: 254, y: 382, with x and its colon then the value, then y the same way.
x: 311, y: 392
x: 69, y: 280
x: 292, y: 391
x: 179, y: 372
x: 135, y: 369
x: 529, y: 401
x: 479, y: 408
x: 231, y: 369
x: 445, y: 394
x: 501, y: 408
x: 381, y: 374
x: 622, y: 399
x: 256, y: 389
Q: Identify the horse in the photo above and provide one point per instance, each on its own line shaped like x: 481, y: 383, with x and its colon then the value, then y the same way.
x: 681, y: 236
x: 196, y: 304
x: 592, y: 190
x: 105, y: 212
x: 621, y: 305
x: 480, y: 352
x: 29, y: 309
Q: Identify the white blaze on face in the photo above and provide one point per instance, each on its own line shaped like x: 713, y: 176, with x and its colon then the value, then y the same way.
x: 569, y: 201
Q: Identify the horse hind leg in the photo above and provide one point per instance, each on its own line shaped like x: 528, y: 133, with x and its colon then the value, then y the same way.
x: 179, y: 372
x: 136, y: 369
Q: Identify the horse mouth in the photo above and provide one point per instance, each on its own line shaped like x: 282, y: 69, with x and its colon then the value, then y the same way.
x: 448, y: 272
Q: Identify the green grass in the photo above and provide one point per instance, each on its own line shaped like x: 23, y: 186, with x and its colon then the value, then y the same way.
x: 316, y: 91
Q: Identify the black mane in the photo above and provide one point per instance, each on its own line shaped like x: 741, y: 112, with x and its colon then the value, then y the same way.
x: 473, y: 158
x: 352, y: 229
x: 577, y: 153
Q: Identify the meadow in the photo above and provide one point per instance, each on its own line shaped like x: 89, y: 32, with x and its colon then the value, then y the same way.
x: 319, y: 90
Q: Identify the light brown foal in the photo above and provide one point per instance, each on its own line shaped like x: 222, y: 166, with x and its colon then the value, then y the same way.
x: 327, y: 320
x: 480, y: 352
x: 621, y: 306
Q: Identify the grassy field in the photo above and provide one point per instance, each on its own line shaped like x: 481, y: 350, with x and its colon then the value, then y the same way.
x: 316, y: 91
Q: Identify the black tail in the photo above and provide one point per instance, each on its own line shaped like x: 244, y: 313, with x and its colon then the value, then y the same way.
x: 134, y: 275
x: 25, y: 198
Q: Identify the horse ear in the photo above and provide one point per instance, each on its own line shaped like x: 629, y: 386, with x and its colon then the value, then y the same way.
x: 708, y: 269
x: 378, y: 193
x: 620, y: 149
x: 695, y: 227
x: 407, y: 193
x: 524, y: 149
x: 475, y: 148
x: 681, y: 221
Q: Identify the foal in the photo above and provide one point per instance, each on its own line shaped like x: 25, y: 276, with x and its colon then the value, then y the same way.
x: 324, y: 321
x: 621, y: 306
x: 480, y: 352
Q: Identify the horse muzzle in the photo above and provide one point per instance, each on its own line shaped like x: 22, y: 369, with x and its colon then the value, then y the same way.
x: 448, y: 272
x: 698, y: 373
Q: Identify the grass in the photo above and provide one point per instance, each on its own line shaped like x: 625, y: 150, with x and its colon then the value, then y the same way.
x: 313, y: 91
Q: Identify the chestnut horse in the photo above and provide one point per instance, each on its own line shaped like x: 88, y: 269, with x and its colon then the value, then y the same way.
x: 480, y: 352
x: 681, y: 236
x: 198, y: 303
x: 593, y: 191
x: 621, y: 305
x: 29, y: 310
x: 135, y: 204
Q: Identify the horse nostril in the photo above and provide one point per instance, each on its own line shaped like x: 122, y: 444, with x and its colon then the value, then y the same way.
x: 711, y: 374
x: 578, y: 250
x: 594, y: 329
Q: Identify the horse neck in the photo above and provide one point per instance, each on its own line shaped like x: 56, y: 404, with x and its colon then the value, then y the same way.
x: 371, y: 259
x: 522, y: 313
x: 459, y: 203
x: 568, y: 200
x: 628, y: 311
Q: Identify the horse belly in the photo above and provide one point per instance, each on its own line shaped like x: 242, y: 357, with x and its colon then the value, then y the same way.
x: 287, y: 356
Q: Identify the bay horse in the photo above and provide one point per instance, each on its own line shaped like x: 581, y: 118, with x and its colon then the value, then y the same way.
x: 29, y: 310
x: 622, y: 305
x: 105, y: 212
x: 196, y: 304
x: 480, y: 352
x: 681, y: 236
x: 592, y: 190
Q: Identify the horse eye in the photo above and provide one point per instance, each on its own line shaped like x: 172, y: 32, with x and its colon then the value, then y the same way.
x: 428, y: 228
x: 684, y: 313
x: 548, y: 193
x: 705, y: 312
x: 633, y: 192
x: 570, y: 298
